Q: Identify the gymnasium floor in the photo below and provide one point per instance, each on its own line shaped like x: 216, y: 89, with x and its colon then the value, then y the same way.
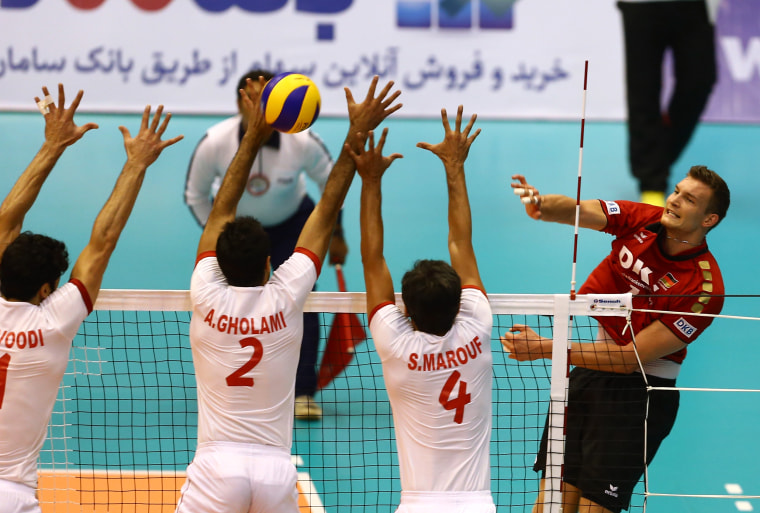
x: 714, y: 442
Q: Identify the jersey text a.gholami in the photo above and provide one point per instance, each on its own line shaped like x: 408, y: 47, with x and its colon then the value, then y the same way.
x: 245, y: 325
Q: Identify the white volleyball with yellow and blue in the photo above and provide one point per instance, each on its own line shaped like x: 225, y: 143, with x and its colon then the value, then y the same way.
x: 290, y: 102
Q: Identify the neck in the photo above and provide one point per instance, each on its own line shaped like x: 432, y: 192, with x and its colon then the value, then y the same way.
x: 674, y: 244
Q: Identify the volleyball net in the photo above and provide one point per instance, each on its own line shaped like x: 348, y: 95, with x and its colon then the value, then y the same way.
x: 124, y: 427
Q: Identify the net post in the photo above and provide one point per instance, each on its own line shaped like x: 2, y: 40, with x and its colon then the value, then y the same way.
x: 555, y: 451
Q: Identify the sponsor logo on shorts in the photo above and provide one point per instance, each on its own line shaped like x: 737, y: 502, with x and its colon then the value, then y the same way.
x: 612, y: 492
x: 612, y: 208
x: 684, y: 327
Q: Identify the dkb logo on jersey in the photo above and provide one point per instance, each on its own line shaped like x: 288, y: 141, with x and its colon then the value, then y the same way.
x: 461, y: 14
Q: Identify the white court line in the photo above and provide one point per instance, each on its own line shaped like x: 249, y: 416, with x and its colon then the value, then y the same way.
x: 310, y: 492
x: 736, y: 489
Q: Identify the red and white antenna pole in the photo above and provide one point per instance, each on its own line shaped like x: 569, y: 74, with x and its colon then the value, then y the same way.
x: 578, y: 193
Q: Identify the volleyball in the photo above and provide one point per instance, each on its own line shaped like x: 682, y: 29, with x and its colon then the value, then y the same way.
x: 290, y: 102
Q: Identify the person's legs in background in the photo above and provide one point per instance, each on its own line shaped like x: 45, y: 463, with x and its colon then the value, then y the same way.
x: 283, y: 238
x: 645, y: 39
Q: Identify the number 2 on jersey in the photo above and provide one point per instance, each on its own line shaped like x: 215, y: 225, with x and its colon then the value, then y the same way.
x: 237, y: 379
x: 458, y: 403
x: 5, y: 360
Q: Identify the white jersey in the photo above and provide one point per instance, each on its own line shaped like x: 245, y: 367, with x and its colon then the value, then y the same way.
x: 276, y: 184
x: 440, y: 392
x: 34, y: 351
x: 246, y: 343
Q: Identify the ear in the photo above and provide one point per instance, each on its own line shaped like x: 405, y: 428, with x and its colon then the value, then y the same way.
x: 267, y: 270
x: 45, y: 290
x: 710, y: 220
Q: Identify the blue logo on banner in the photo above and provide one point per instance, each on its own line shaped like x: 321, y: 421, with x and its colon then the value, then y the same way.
x: 456, y: 14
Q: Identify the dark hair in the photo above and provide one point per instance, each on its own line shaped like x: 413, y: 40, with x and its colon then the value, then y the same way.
x: 29, y: 262
x: 431, y: 291
x: 242, y: 250
x: 254, y: 75
x: 721, y: 196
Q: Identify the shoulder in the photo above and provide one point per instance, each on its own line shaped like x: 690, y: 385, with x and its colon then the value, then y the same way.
x: 623, y: 215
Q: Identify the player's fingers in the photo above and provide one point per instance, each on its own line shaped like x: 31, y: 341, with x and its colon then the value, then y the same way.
x: 458, y: 121
x: 520, y: 178
x: 425, y: 146
x: 61, y: 97
x: 75, y: 104
x: 145, y: 118
x: 474, y: 136
x: 470, y: 124
x: 88, y: 127
x: 163, y: 126
x: 392, y: 98
x: 349, y: 96
x: 381, y: 143
x: 445, y: 120
x: 393, y: 157
x: 156, y: 118
x: 171, y: 141
x: 125, y: 132
x: 372, y: 86
x: 387, y: 89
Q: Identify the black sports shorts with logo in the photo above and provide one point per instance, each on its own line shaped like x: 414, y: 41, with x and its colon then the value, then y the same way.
x: 604, y: 448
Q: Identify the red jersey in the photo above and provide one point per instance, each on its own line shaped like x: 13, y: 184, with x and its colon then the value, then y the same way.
x: 687, y: 284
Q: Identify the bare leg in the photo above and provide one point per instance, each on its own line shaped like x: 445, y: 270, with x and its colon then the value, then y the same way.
x: 570, y: 499
x: 587, y: 506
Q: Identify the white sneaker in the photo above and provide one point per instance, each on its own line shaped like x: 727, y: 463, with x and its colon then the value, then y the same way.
x: 306, y: 408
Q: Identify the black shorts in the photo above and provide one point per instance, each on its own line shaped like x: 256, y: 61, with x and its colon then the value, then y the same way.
x: 604, y: 447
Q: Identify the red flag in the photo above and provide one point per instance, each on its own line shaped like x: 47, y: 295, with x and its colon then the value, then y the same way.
x: 346, y: 332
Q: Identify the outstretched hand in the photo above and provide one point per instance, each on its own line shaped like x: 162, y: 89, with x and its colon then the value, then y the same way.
x: 371, y: 164
x: 366, y: 116
x: 528, y: 195
x: 523, y: 344
x: 59, y: 121
x: 250, y: 99
x: 455, y: 147
x: 147, y: 145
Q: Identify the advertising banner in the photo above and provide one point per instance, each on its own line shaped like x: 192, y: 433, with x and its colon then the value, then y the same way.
x: 500, y: 58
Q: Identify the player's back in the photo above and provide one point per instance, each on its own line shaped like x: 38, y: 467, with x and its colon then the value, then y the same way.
x: 34, y: 349
x: 246, y: 343
x: 440, y: 391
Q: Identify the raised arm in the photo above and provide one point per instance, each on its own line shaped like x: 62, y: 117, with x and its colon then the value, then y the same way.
x: 363, y: 117
x: 556, y: 208
x: 371, y: 166
x: 233, y: 184
x: 653, y: 342
x: 60, y: 132
x: 453, y: 151
x: 142, y: 151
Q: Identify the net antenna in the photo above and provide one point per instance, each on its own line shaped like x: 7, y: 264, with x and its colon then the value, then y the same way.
x: 561, y: 360
x: 578, y: 192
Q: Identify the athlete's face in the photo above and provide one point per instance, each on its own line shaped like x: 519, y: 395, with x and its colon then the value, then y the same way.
x: 685, y: 210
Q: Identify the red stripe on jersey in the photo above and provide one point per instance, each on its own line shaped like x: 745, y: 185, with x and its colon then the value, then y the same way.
x: 84, y: 293
x: 476, y: 288
x: 203, y: 255
x: 374, y: 310
x: 313, y: 256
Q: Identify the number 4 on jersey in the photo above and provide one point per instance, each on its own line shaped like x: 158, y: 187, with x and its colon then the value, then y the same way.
x: 458, y: 403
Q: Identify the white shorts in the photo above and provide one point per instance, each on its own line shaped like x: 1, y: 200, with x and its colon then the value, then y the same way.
x: 18, y: 498
x: 226, y: 477
x: 446, y: 502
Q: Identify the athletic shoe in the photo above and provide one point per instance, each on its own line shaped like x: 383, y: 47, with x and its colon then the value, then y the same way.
x: 656, y: 198
x: 306, y: 408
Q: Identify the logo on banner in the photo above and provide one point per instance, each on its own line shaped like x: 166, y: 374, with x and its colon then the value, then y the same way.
x: 486, y: 14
